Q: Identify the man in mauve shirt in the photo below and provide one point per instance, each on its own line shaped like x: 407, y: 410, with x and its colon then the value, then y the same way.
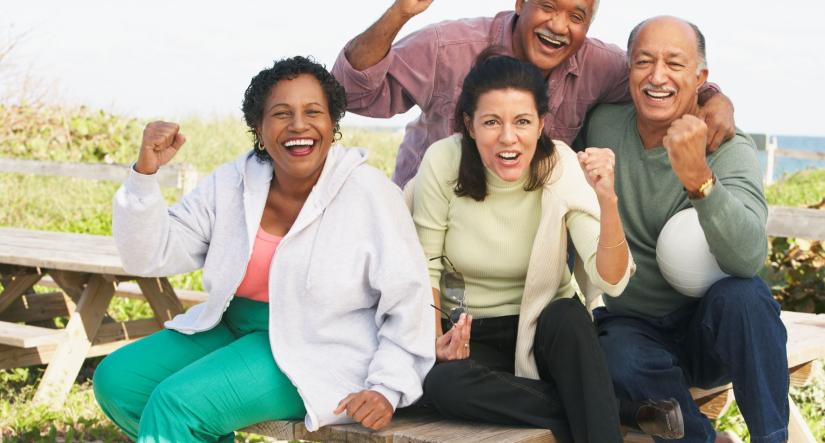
x: 427, y: 69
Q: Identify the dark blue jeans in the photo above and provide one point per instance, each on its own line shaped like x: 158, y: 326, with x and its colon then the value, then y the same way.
x: 732, y: 334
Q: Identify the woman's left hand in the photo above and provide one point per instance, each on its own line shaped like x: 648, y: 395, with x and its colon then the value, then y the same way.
x: 598, y: 165
x: 369, y: 408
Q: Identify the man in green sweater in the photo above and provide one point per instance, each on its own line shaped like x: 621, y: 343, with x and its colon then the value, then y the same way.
x: 659, y: 342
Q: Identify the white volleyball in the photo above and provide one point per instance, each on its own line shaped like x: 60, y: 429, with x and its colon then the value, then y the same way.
x: 684, y: 256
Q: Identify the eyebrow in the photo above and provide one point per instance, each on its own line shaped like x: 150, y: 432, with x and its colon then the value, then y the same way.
x: 286, y: 105
x: 669, y: 54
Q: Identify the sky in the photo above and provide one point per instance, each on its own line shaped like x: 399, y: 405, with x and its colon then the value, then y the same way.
x: 170, y: 59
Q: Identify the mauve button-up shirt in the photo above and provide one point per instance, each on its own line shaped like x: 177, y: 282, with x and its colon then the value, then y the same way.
x: 427, y: 69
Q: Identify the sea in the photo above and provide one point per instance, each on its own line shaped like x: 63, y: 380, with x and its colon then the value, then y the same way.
x: 784, y: 165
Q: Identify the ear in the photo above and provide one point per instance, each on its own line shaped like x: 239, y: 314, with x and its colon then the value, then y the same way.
x: 703, y: 76
x: 541, y: 126
x: 519, y: 6
x: 468, y: 123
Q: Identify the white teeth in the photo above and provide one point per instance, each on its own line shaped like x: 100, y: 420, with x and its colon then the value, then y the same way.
x: 550, y: 40
x: 299, y: 142
x: 508, y: 155
x: 657, y: 94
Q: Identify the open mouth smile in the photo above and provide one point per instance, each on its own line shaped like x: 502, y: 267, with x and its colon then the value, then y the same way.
x: 300, y: 146
x: 554, y: 42
x: 508, y: 157
x: 659, y: 95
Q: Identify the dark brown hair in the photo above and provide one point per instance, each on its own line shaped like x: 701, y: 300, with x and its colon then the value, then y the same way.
x: 493, y: 71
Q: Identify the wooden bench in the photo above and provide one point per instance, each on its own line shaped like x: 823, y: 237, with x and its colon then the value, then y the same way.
x: 806, y: 346
x: 86, y: 272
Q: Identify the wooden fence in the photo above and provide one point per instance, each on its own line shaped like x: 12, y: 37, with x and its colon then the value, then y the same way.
x: 769, y: 144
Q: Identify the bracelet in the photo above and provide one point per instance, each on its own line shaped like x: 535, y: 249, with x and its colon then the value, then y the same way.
x: 614, y: 246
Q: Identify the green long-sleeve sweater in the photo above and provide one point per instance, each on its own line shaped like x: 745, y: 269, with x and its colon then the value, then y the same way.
x: 733, y: 216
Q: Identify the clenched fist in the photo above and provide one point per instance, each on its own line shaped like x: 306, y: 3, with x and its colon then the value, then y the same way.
x: 161, y: 141
x: 685, y: 143
x: 410, y: 8
x: 599, y: 165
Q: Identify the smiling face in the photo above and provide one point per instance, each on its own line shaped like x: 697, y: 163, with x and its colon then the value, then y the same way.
x: 549, y: 31
x: 506, y: 128
x: 296, y: 128
x: 665, y: 74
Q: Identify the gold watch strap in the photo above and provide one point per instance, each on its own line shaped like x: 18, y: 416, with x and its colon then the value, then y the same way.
x: 704, y: 189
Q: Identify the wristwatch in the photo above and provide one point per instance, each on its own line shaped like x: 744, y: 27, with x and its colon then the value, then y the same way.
x: 704, y: 190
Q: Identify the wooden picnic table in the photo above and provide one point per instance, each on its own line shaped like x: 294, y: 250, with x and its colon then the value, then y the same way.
x: 87, y: 270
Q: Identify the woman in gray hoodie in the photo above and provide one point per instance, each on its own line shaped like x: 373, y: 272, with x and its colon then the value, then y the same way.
x: 318, y: 289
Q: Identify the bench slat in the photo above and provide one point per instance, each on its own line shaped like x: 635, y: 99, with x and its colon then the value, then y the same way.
x: 26, y: 336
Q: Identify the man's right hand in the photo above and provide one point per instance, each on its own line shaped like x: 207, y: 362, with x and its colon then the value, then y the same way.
x: 161, y: 141
x: 411, y: 8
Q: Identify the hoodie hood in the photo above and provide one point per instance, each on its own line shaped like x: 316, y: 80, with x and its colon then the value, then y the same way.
x: 255, y: 176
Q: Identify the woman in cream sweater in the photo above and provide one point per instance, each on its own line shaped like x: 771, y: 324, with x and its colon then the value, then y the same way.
x: 493, y: 207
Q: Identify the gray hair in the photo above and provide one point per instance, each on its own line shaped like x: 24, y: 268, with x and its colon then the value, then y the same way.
x: 700, y: 42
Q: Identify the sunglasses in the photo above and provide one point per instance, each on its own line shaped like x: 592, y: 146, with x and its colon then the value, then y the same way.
x: 452, y: 286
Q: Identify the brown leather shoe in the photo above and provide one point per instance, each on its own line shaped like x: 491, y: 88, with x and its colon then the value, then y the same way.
x: 661, y: 418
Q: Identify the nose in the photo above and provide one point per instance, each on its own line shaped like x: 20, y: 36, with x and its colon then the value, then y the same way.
x: 557, y: 24
x: 658, y: 75
x: 508, y: 135
x: 298, y: 123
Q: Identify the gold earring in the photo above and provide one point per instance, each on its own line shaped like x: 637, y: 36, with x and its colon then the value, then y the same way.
x: 260, y: 147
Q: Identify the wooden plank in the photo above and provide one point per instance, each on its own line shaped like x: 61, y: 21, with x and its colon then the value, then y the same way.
x: 81, y: 331
x: 38, y: 307
x: 161, y: 297
x: 798, y: 430
x: 637, y: 437
x: 13, y: 357
x: 26, y: 336
x: 714, y: 406
x: 132, y: 290
x: 72, y: 283
x: 17, y: 286
x: 57, y: 250
x: 803, y: 374
x: 172, y: 176
x: 125, y: 331
x: 76, y: 260
x: 796, y: 222
x: 796, y: 153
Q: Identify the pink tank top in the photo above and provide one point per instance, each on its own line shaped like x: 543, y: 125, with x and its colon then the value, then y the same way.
x: 255, y: 284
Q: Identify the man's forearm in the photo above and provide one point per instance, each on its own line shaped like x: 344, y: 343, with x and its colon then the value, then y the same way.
x: 368, y: 48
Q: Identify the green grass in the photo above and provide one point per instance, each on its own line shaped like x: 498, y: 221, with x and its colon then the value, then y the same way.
x: 801, y: 189
x: 73, y: 205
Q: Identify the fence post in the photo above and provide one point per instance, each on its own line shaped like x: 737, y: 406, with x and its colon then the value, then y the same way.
x: 770, y: 158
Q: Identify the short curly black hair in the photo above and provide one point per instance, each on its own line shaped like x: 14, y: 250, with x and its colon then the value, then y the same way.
x: 261, y: 85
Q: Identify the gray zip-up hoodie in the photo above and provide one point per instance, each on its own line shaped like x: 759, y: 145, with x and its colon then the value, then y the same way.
x: 348, y: 286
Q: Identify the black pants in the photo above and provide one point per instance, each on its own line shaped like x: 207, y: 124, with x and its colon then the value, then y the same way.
x: 574, y: 397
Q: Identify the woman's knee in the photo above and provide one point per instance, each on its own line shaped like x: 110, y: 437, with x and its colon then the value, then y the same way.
x: 442, y: 386
x: 566, y: 316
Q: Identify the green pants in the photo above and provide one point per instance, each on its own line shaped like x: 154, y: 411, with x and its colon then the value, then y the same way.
x: 172, y: 387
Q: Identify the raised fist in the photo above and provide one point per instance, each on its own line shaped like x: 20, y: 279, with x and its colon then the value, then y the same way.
x: 685, y: 143
x: 161, y: 141
x: 599, y: 165
x: 410, y: 8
